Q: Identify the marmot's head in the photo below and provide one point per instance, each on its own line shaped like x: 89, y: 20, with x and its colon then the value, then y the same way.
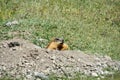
x: 59, y: 40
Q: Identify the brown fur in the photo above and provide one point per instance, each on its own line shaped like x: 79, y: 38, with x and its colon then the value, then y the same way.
x: 57, y: 44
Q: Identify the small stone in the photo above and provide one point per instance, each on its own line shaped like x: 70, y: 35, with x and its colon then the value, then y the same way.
x: 53, y: 57
x: 41, y: 75
x: 35, y: 55
x: 15, y: 22
x: 54, y: 62
x: 38, y: 79
x: 98, y: 64
x: 8, y: 24
x: 3, y: 68
x: 29, y: 76
x: 79, y: 60
x: 107, y: 58
x: 4, y: 46
x: 94, y: 74
x: 77, y: 69
x: 47, y: 70
x: 101, y: 72
x: 97, y: 59
x: 14, y: 49
x: 90, y: 65
x: 42, y: 40
x: 48, y: 50
x: 104, y: 65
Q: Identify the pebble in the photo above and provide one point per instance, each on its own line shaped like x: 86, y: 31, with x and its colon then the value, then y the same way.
x: 15, y: 22
x: 36, y: 60
x: 98, y: 64
x: 107, y: 58
x: 41, y: 75
x: 94, y: 74
x: 53, y: 57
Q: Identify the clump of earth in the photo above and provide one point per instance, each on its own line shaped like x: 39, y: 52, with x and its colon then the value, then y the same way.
x: 19, y: 57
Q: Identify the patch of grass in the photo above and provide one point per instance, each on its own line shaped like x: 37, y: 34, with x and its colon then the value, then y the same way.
x: 87, y: 25
x: 6, y: 79
x: 91, y: 26
x: 79, y: 76
x: 116, y: 76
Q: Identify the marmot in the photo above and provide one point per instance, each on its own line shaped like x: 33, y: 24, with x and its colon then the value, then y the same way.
x: 57, y: 44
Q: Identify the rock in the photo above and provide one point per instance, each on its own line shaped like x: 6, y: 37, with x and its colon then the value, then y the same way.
x: 52, y: 57
x: 41, y: 75
x: 98, y: 64
x: 15, y: 22
x: 29, y: 75
x: 100, y: 72
x: 47, y: 70
x: 97, y: 59
x: 107, y: 58
x: 89, y: 65
x: 42, y: 40
x: 38, y: 79
x: 94, y: 74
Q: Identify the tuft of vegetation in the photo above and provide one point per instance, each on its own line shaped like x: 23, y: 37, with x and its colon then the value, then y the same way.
x: 92, y: 26
x: 80, y: 76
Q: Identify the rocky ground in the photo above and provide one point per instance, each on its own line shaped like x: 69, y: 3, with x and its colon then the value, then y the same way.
x: 21, y: 58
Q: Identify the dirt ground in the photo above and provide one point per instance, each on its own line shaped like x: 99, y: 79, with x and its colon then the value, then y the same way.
x: 19, y: 57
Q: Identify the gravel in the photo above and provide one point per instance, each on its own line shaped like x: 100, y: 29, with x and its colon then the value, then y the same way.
x: 32, y: 62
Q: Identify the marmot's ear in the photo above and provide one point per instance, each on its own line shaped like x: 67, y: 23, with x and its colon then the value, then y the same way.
x: 62, y: 40
x: 57, y: 39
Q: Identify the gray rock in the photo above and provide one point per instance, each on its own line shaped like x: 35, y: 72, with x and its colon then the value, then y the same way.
x: 94, y: 74
x: 52, y: 57
x: 41, y: 75
x: 15, y: 22
x: 107, y: 57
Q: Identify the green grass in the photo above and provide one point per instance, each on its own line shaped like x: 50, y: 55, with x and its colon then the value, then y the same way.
x: 92, y: 26
x: 88, y: 25
x: 83, y: 77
